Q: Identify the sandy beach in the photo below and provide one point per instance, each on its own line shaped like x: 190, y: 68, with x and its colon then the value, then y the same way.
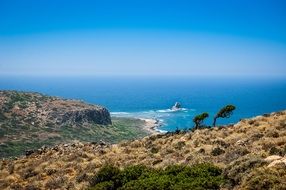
x: 151, y: 125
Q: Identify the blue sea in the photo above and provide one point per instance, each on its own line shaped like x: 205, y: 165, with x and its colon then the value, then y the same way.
x: 152, y: 97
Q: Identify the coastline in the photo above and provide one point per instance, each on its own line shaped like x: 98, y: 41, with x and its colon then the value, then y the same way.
x: 151, y: 126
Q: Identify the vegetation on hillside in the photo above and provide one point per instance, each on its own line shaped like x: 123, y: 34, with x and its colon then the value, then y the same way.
x: 139, y: 177
x: 35, y: 138
x: 247, y: 155
x: 29, y: 121
x: 251, y: 155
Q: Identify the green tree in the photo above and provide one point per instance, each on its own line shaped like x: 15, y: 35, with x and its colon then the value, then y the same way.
x: 225, y: 112
x: 198, y: 120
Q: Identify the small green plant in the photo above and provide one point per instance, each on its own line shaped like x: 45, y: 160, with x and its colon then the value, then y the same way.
x: 225, y: 112
x: 198, y: 120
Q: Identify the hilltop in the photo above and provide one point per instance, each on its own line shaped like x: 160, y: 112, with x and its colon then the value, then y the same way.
x: 32, y: 120
x: 250, y: 153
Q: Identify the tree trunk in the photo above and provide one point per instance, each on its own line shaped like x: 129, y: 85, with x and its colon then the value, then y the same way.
x: 214, y: 123
x: 196, y: 126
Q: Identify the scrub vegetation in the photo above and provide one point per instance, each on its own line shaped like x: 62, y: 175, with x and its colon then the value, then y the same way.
x: 247, y: 155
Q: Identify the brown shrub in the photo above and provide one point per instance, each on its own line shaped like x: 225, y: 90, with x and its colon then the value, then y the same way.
x: 28, y: 173
x: 217, y: 151
x: 235, y: 154
x: 236, y: 170
x: 276, y: 151
x: 82, y: 177
x: 154, y: 150
x: 256, y: 136
x: 221, y: 142
x: 179, y: 145
x: 266, y: 145
x: 266, y: 178
x: 31, y: 187
x: 156, y: 161
x: 273, y: 134
x: 11, y: 168
x: 50, y: 171
x: 202, y: 151
x: 251, y: 122
x: 56, y: 182
x: 16, y: 186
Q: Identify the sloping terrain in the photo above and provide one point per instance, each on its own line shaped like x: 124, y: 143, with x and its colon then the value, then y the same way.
x: 32, y: 120
x: 251, y: 154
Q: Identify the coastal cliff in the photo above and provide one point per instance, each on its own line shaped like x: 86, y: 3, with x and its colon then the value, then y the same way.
x: 39, y: 110
x: 251, y: 155
x: 32, y: 120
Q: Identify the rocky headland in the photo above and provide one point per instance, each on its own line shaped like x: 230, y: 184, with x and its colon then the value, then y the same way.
x: 31, y: 120
x: 40, y: 110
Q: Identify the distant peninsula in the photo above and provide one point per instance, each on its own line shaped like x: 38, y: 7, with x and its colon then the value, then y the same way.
x: 29, y: 120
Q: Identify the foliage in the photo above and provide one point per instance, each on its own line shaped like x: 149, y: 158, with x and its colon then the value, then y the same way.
x: 224, y: 112
x: 201, y: 176
x: 107, y: 173
x: 198, y: 120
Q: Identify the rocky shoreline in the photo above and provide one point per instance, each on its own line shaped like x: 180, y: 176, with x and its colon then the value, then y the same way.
x: 151, y: 126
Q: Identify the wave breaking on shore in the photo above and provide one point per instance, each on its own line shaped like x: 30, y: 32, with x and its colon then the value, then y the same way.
x: 155, y: 119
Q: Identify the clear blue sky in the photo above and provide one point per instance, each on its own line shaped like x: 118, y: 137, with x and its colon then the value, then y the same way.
x: 146, y: 37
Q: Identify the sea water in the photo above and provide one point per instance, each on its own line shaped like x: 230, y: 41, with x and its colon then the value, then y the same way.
x: 152, y: 97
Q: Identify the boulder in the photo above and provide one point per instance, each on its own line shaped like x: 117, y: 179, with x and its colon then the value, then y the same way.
x: 272, y: 158
x: 29, y: 152
x: 275, y: 160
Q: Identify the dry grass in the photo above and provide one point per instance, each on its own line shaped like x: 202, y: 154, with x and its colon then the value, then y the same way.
x: 239, y: 149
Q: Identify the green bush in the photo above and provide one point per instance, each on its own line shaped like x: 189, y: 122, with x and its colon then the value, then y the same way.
x: 202, y: 176
x: 133, y: 173
x: 107, y: 173
x: 106, y: 185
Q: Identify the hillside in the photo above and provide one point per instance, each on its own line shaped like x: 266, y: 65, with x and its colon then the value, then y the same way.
x: 32, y: 120
x: 250, y: 153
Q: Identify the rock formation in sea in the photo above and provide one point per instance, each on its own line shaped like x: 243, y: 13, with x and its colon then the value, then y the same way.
x: 176, y: 106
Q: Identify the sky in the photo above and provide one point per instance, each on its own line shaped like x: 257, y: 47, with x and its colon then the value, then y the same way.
x: 143, y: 38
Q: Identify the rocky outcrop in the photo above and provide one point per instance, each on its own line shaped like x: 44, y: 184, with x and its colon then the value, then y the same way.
x: 177, y: 106
x: 275, y: 160
x: 40, y: 110
x: 30, y: 120
x: 97, y: 115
